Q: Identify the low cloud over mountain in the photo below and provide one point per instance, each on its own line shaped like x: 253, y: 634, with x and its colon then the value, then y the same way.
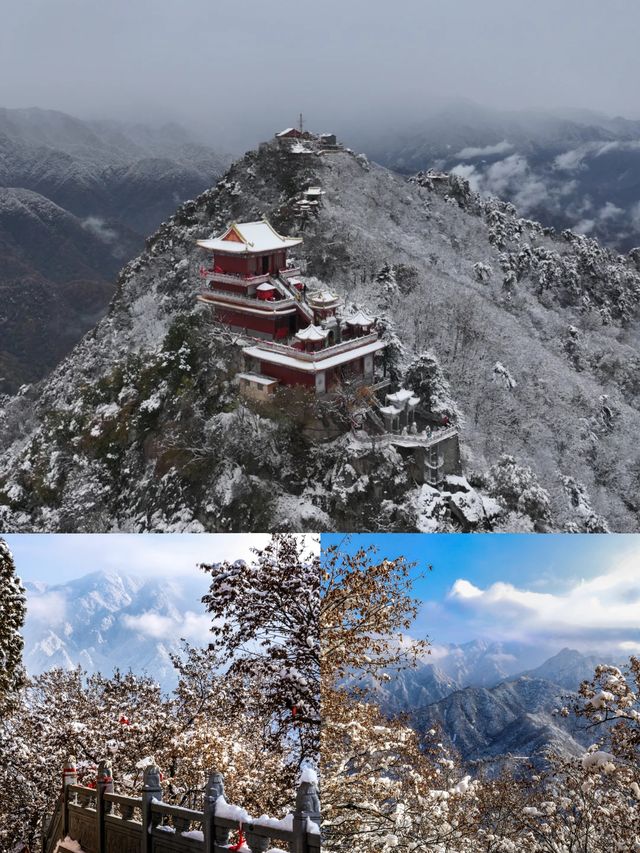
x: 106, y: 620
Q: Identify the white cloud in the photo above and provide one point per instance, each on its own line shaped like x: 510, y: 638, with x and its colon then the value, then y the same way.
x: 99, y: 228
x: 604, y: 610
x: 49, y: 609
x: 635, y: 214
x: 585, y: 226
x: 470, y: 174
x: 189, y: 625
x: 499, y: 175
x: 609, y: 211
x: 533, y: 192
x: 498, y: 148
x: 571, y: 161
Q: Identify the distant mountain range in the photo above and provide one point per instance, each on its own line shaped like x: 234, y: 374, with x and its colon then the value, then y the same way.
x: 77, y: 199
x: 578, y: 170
x: 489, y: 707
x: 106, y: 620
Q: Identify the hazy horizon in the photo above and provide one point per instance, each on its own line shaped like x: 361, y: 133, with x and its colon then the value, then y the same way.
x: 235, y: 78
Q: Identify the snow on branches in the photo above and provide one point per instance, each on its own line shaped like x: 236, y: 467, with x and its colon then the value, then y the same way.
x: 265, y: 622
x: 12, y: 612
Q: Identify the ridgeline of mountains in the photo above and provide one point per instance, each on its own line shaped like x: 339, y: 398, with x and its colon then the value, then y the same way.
x: 491, y: 705
x: 491, y: 702
x: 77, y: 199
x: 578, y: 170
x: 142, y: 426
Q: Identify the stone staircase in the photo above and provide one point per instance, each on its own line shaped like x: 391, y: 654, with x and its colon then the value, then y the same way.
x: 303, y: 309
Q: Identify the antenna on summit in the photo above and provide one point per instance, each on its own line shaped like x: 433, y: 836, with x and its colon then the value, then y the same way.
x: 301, y: 125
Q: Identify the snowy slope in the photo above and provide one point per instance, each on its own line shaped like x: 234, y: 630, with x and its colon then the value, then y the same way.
x: 76, y: 199
x: 55, y: 280
x: 479, y: 664
x: 516, y: 719
x: 106, y: 620
x: 163, y: 442
x: 490, y: 706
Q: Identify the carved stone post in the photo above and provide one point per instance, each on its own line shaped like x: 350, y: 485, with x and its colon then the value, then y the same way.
x: 307, y: 808
x: 213, y: 835
x: 104, y: 784
x: 151, y: 790
x: 257, y: 843
x: 69, y: 777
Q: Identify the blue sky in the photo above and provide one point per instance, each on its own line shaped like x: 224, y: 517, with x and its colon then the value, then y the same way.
x: 545, y: 590
x: 56, y: 558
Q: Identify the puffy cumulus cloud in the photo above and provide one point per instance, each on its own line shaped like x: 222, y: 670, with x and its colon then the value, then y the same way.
x: 499, y: 148
x: 189, y: 625
x: 602, y: 612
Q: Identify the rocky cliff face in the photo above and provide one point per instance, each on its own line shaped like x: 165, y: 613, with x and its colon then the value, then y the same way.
x: 141, y: 427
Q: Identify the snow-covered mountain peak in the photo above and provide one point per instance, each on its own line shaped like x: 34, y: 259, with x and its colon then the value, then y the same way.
x: 108, y: 619
x: 158, y: 432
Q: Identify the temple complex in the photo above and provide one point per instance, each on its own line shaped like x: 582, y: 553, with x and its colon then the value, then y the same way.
x: 297, y: 336
x: 293, y: 336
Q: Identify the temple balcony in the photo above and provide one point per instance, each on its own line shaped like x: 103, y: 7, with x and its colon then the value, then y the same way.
x: 233, y: 278
x: 226, y: 297
x: 289, y: 272
x: 430, y: 440
x: 321, y: 354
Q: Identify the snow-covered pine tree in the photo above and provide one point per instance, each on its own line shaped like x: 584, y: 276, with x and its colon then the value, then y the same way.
x: 425, y: 377
x: 12, y: 613
x: 387, y: 284
x: 394, y: 354
x: 517, y: 488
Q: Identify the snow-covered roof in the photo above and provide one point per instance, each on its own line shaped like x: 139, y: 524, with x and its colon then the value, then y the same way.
x: 322, y: 296
x: 413, y: 401
x: 258, y: 378
x: 314, y: 191
x: 360, y: 319
x: 402, y: 395
x: 390, y: 410
x: 287, y: 131
x: 317, y: 366
x: 266, y: 285
x: 249, y: 238
x: 312, y: 333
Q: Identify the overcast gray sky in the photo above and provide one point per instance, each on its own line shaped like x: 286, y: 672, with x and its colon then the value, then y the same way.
x: 255, y: 64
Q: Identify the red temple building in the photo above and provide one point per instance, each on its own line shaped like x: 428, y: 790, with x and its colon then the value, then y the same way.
x: 294, y: 336
x: 299, y: 339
